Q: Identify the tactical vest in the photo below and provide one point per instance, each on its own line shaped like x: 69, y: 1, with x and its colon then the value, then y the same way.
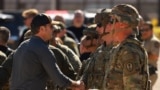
x: 95, y: 71
x: 115, y: 77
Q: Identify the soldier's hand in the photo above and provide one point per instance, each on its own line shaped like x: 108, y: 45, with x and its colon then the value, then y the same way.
x: 78, y: 85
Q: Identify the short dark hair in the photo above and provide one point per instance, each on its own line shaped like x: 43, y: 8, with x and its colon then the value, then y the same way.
x: 4, y: 34
x: 39, y: 20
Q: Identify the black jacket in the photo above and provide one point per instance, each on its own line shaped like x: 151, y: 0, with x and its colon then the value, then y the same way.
x: 33, y: 62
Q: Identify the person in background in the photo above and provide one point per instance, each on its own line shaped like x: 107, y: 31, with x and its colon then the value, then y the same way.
x: 73, y: 58
x: 152, y: 45
x: 4, y: 37
x: 5, y: 52
x: 5, y: 72
x: 78, y: 24
x: 89, y: 41
x: 68, y: 32
x: 27, y: 15
x: 34, y: 63
x: 67, y: 40
x: 59, y: 19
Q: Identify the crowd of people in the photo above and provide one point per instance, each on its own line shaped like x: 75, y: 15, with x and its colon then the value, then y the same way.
x: 117, y: 52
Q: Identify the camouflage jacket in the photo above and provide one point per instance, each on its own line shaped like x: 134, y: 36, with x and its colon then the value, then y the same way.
x: 128, y: 68
x: 94, y: 72
x: 73, y: 58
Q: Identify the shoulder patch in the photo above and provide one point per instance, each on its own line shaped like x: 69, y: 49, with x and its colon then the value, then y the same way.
x: 129, y: 67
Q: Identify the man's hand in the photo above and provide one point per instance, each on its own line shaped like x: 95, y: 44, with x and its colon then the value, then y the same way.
x: 78, y: 85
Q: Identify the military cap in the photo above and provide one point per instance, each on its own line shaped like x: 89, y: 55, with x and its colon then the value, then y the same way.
x: 60, y: 24
x: 59, y: 18
x: 91, y: 30
x: 126, y: 12
x: 97, y: 18
x: 103, y: 16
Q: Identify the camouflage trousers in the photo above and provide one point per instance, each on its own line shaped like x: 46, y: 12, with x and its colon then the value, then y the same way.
x: 153, y: 79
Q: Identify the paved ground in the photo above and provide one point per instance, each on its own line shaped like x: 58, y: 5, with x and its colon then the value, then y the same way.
x: 157, y: 84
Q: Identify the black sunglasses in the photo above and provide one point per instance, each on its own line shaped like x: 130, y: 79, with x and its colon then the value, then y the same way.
x: 99, y: 25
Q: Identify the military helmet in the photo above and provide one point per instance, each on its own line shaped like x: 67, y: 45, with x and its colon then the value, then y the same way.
x: 126, y: 12
x: 103, y: 16
x: 105, y: 13
x: 91, y: 30
x: 98, y: 18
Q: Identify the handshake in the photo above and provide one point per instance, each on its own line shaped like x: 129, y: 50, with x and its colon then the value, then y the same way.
x: 77, y: 85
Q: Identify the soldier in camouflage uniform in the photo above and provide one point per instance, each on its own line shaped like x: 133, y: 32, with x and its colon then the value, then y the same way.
x: 152, y: 45
x: 89, y: 43
x: 95, y: 70
x: 128, y: 66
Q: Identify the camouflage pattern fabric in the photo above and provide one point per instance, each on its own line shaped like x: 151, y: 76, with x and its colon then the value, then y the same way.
x: 103, y: 17
x: 128, y: 67
x: 128, y: 13
x: 94, y: 72
x: 91, y: 30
